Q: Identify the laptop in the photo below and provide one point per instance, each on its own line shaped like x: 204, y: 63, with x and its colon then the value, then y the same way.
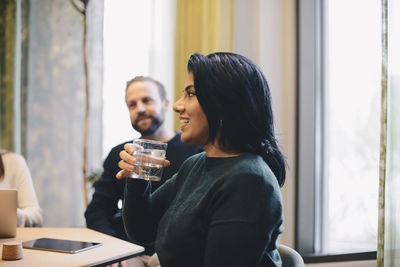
x: 8, y: 208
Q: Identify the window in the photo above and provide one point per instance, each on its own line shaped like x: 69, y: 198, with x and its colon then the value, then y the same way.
x: 339, y: 128
x: 138, y: 40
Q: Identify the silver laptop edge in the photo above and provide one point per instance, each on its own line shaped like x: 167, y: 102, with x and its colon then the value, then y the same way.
x: 8, y: 212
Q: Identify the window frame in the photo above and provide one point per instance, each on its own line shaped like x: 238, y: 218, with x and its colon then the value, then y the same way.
x: 310, y: 70
x: 310, y: 154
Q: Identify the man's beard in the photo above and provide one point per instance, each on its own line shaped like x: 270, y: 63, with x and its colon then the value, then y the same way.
x: 155, y: 124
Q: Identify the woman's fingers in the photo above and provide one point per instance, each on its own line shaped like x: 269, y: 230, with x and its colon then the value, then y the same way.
x: 127, y: 157
x: 129, y: 148
x: 126, y: 164
x: 122, y: 174
x: 123, y: 165
x: 167, y: 163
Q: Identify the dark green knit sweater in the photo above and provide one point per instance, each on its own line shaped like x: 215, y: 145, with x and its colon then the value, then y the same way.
x: 213, y: 212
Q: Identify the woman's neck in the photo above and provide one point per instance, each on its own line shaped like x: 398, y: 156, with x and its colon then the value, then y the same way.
x: 214, y: 150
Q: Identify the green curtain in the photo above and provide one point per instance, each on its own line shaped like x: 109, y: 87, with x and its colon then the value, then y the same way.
x: 389, y: 196
x: 14, y: 18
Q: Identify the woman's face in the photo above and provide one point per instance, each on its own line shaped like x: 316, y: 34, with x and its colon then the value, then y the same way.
x: 194, y: 122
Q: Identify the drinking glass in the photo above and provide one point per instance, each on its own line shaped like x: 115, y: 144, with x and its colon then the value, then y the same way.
x: 149, y: 156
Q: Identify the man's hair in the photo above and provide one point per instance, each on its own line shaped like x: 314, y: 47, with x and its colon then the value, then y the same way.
x: 235, y: 97
x: 160, y: 86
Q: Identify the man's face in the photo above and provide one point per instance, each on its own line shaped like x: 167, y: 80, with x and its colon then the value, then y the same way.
x: 146, y: 109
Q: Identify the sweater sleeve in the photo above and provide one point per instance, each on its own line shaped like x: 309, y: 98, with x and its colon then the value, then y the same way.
x: 142, y: 210
x: 245, y: 218
x: 28, y: 211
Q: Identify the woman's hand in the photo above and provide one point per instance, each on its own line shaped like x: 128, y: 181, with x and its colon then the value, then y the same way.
x: 127, y: 161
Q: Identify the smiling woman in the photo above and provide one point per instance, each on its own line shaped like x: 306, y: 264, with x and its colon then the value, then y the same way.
x: 225, y: 201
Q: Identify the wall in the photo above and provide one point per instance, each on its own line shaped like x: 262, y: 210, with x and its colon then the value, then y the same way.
x: 265, y: 32
x: 56, y: 103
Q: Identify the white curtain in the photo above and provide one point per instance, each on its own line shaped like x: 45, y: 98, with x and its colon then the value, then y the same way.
x: 389, y: 234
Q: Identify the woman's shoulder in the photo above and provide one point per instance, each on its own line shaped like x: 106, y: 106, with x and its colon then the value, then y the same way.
x: 248, y: 180
x: 12, y: 157
x: 191, y: 165
x: 14, y: 166
x: 251, y: 163
x: 194, y: 159
x: 252, y: 169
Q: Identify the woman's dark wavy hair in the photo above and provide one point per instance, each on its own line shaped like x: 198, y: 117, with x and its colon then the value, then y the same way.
x: 236, y: 100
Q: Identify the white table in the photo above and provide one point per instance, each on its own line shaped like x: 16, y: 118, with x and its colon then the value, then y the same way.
x: 112, y: 249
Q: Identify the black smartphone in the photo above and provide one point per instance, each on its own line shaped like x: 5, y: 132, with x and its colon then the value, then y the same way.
x: 59, y: 245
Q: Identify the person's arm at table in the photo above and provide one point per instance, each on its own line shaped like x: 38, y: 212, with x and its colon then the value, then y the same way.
x: 103, y: 206
x: 28, y: 212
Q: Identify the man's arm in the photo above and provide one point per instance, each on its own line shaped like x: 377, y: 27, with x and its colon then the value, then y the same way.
x: 103, y: 207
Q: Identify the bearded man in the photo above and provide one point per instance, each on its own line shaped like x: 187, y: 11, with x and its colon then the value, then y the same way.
x: 147, y: 104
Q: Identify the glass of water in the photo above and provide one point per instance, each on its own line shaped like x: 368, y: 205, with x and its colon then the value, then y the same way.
x: 149, y: 156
